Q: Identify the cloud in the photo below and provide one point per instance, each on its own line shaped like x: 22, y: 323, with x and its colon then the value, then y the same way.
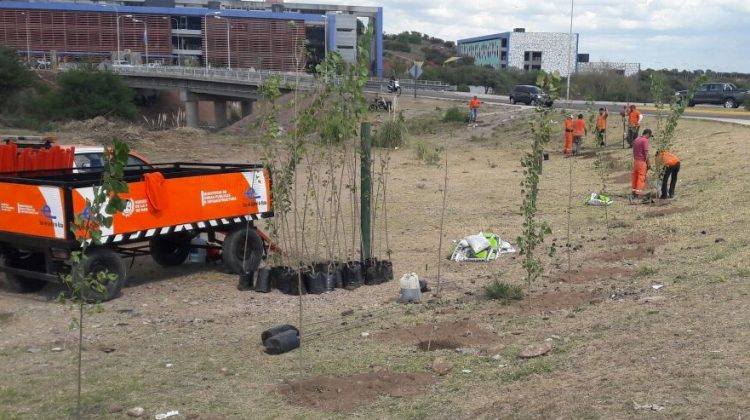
x: 657, y: 33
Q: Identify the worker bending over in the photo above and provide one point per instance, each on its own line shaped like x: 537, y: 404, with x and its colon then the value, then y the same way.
x: 671, y: 165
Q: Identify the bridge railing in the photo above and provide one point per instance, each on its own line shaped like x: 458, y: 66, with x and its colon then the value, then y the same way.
x: 258, y: 77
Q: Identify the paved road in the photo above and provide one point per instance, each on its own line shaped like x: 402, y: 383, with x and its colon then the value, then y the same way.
x: 699, y: 112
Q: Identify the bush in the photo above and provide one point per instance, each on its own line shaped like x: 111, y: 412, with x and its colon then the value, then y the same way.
x: 14, y: 76
x: 391, y: 133
x: 428, y: 153
x: 463, y: 87
x: 88, y: 94
x: 504, y: 292
x: 396, y: 45
x: 454, y: 114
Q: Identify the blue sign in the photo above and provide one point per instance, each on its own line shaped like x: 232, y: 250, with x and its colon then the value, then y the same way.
x: 47, y: 212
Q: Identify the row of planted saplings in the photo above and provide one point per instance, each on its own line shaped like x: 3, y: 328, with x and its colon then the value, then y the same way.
x: 323, y: 277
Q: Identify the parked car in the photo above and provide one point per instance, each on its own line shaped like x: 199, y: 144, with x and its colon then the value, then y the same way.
x: 529, y: 95
x: 725, y: 94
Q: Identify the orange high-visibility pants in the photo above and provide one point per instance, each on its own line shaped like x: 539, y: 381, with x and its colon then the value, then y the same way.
x: 568, y: 148
x: 638, y: 179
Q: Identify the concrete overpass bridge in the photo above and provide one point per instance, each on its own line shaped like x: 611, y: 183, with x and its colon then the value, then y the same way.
x: 222, y: 85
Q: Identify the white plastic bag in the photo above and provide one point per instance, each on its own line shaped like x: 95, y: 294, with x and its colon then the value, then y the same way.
x: 478, y: 243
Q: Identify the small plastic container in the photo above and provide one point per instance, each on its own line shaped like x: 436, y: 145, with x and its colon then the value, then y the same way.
x: 198, y: 250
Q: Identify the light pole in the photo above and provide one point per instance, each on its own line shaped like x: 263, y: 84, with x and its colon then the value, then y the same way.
x: 117, y: 27
x: 28, y: 44
x: 205, y: 23
x: 145, y: 36
x: 229, y: 51
x: 119, y: 55
x: 570, y: 48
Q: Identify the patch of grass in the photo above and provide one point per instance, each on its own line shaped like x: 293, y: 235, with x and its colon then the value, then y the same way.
x: 503, y: 292
x: 454, y: 114
x: 743, y: 273
x: 428, y: 153
x: 391, y: 134
x: 5, y: 317
x: 645, y: 271
x: 533, y: 367
x: 424, y: 124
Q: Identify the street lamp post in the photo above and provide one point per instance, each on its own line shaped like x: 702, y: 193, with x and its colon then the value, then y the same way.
x: 205, y: 22
x: 28, y: 43
x: 179, y: 38
x: 145, y: 36
x: 570, y: 48
x: 229, y: 45
x: 117, y: 27
x: 119, y: 55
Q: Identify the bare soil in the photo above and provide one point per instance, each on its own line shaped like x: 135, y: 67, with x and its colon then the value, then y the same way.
x: 343, y: 394
x: 654, y: 312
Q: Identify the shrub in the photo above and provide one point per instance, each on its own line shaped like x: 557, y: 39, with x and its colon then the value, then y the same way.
x: 428, y: 153
x: 454, y: 114
x: 88, y: 94
x: 391, y: 133
x: 14, y: 76
x: 397, y: 45
x: 504, y: 292
x: 463, y: 87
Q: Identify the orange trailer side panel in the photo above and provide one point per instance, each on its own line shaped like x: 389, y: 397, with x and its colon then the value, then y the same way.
x: 187, y: 200
x: 32, y: 210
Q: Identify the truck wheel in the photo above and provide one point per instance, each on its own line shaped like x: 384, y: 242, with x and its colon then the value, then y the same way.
x: 691, y: 103
x: 512, y: 100
x: 234, y: 251
x: 730, y: 103
x: 20, y: 284
x: 102, y: 260
x: 170, y: 250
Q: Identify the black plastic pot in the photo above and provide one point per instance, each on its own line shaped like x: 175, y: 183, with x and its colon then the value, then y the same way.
x: 315, y: 281
x: 351, y: 275
x: 332, y: 275
x: 387, y: 270
x: 373, y: 272
x: 263, y: 280
x: 282, y: 342
x: 286, y: 281
x: 265, y: 335
x: 246, y: 281
x: 423, y: 287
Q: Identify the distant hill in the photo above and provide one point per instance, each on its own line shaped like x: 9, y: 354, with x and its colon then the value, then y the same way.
x: 401, y: 50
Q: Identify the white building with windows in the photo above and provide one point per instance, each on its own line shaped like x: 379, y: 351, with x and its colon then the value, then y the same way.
x: 548, y: 51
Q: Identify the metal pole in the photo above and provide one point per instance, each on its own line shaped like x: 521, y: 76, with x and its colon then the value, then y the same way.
x: 205, y: 36
x: 570, y: 48
x: 117, y: 25
x: 28, y: 45
x: 229, y: 47
x: 366, y: 188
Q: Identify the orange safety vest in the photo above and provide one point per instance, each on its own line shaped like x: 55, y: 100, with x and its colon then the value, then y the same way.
x: 634, y: 115
x: 667, y: 159
x: 474, y: 103
x: 579, y: 128
x: 569, y: 125
x: 601, y: 121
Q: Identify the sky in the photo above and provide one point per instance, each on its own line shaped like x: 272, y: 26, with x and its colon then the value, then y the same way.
x: 683, y: 34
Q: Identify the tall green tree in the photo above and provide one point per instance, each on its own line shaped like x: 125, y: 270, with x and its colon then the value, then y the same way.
x: 14, y: 76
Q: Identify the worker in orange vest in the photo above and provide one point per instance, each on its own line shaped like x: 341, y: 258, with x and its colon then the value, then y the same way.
x: 474, y: 104
x: 634, y: 124
x: 601, y: 126
x: 671, y: 165
x: 579, y: 130
x: 568, y: 148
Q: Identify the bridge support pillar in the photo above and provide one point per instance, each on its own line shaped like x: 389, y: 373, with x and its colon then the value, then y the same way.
x: 220, y: 114
x: 191, y: 108
x: 247, y: 108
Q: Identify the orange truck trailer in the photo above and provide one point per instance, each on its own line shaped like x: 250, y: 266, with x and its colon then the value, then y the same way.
x: 167, y: 206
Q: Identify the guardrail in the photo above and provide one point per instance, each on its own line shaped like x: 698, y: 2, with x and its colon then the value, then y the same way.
x: 258, y: 77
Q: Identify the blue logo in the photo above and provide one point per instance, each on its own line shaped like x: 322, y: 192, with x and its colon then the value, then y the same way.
x: 47, y: 212
x: 251, y: 194
x: 86, y: 212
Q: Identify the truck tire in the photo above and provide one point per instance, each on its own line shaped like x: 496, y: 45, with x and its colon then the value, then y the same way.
x: 730, y: 103
x: 170, y: 250
x: 20, y: 284
x: 512, y: 100
x: 233, y: 250
x: 101, y: 260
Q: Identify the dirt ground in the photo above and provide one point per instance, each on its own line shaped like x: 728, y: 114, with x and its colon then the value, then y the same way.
x: 651, y: 320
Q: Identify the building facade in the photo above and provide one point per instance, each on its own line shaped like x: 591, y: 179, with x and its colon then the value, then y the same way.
x: 229, y: 33
x: 625, y: 69
x: 548, y: 51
